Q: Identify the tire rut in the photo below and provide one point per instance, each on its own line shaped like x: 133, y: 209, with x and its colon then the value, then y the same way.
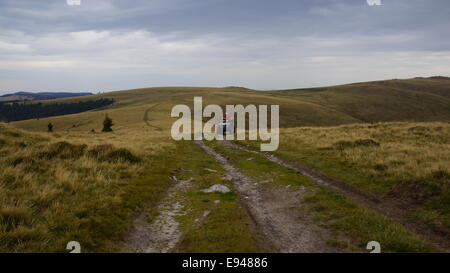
x: 162, y: 234
x: 393, y: 209
x: 275, y: 212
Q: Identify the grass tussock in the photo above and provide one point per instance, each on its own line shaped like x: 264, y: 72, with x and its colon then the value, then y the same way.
x: 54, y: 190
x: 63, y: 150
x: 14, y: 216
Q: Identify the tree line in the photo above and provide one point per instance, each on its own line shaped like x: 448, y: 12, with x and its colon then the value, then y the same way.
x: 21, y: 111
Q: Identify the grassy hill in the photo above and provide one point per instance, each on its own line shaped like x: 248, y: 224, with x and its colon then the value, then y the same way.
x: 420, y: 99
x: 22, y: 96
x: 392, y: 100
x: 80, y: 184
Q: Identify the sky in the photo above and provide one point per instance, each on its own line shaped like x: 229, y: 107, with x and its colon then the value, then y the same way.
x: 105, y: 45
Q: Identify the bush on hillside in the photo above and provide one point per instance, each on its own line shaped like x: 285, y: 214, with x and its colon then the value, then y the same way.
x: 107, y: 124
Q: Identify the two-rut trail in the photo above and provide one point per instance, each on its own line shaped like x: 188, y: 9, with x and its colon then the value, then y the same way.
x: 276, y: 215
x: 391, y: 208
x: 275, y: 212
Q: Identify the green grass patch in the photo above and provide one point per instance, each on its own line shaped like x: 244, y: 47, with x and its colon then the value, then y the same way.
x: 260, y: 168
x: 344, y: 218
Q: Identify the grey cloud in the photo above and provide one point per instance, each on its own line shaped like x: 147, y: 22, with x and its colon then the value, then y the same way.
x: 218, y: 42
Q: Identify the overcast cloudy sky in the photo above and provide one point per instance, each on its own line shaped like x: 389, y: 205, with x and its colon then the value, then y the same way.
x: 105, y: 45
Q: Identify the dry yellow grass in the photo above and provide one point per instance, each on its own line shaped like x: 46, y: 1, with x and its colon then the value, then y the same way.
x: 409, y: 161
x: 406, y: 151
x: 53, y: 189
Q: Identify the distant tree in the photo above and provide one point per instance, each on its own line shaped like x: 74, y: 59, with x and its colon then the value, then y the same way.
x: 107, y: 124
x: 20, y: 111
x: 50, y: 127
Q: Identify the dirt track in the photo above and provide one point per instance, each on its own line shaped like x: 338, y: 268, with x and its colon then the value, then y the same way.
x: 392, y: 208
x: 162, y: 234
x: 274, y: 212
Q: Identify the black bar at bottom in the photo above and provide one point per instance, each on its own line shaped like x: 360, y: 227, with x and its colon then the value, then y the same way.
x: 223, y: 262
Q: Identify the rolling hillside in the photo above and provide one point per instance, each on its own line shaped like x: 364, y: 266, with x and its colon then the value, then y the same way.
x: 420, y: 99
x: 27, y: 96
x: 80, y: 184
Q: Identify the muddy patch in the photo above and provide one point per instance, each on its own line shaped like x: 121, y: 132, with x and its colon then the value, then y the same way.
x: 410, y: 193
